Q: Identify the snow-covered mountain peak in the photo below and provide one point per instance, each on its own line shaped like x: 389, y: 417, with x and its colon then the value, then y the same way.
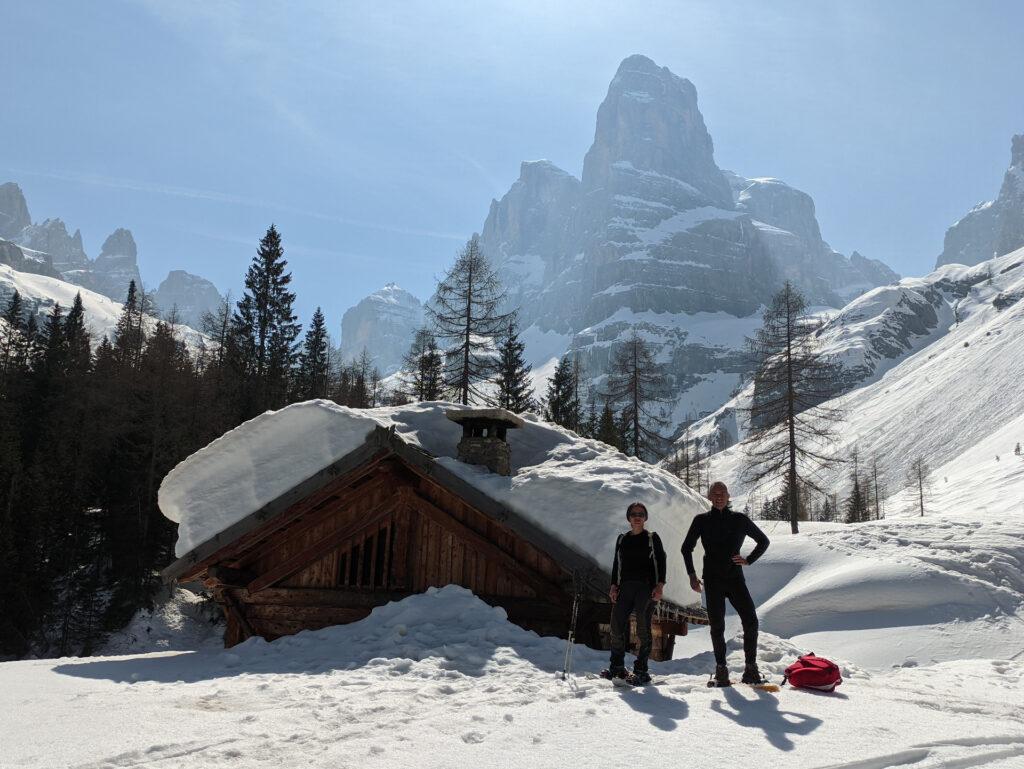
x: 384, y: 324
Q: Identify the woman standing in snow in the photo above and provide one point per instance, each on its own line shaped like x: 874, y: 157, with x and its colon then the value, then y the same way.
x: 638, y: 577
x: 721, y: 532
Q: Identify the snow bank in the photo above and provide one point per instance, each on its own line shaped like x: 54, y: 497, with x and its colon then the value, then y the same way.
x: 574, y: 488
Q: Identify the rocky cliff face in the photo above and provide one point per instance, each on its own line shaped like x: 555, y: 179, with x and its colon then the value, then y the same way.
x: 51, y: 237
x: 115, y: 267
x: 190, y: 295
x: 14, y: 215
x: 993, y: 228
x: 384, y: 324
x: 656, y: 238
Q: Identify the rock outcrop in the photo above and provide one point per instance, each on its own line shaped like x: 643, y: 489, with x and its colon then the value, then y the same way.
x: 995, y: 227
x: 190, y: 296
x: 14, y: 215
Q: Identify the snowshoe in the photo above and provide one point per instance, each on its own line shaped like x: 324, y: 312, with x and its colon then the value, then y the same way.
x: 751, y: 675
x: 613, y: 673
x: 638, y: 678
x: 721, y: 677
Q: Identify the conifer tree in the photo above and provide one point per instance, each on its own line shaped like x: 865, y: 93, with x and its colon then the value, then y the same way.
x: 261, y: 347
x: 791, y: 377
x: 607, y: 429
x: 638, y: 384
x: 513, y: 376
x: 423, y: 367
x: 465, y: 314
x: 313, y: 370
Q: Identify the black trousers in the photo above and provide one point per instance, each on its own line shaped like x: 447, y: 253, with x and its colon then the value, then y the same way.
x: 634, y: 597
x: 715, y: 592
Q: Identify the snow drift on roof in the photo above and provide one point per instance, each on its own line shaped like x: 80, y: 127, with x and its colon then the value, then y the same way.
x: 574, y: 488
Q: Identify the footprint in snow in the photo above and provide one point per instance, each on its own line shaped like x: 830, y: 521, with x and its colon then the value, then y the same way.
x: 472, y: 738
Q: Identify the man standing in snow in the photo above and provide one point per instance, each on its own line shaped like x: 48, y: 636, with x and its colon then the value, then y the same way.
x: 721, y: 532
x: 638, y: 577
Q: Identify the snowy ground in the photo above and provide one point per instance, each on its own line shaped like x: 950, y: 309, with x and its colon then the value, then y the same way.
x: 924, y: 616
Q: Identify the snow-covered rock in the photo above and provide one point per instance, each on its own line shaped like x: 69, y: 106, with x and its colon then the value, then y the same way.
x: 992, y: 228
x: 574, y: 488
x: 190, y: 294
x: 384, y: 324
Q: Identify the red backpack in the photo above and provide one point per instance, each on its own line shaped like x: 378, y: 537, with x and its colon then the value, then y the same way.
x: 810, y: 672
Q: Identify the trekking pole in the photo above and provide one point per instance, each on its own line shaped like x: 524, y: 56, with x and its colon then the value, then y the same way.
x: 570, y: 641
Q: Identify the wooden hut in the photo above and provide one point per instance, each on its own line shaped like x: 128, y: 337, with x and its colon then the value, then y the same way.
x: 386, y: 521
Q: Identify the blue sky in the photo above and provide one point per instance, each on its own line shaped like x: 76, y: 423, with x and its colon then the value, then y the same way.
x: 375, y: 134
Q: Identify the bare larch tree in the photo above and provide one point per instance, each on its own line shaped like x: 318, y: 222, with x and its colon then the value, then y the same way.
x: 637, y: 382
x: 464, y: 311
x: 791, y: 378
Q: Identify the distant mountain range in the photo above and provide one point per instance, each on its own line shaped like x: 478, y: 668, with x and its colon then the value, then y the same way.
x: 47, y: 249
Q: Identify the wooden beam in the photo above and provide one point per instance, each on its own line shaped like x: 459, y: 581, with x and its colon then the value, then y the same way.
x: 238, y: 616
x: 480, y: 543
x: 319, y: 549
x: 225, y: 575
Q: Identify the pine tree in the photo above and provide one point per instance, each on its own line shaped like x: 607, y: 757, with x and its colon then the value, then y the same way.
x: 465, y: 314
x: 313, y: 372
x: 513, y: 379
x: 607, y: 429
x: 791, y: 377
x: 261, y: 342
x: 563, y: 405
x: 423, y: 367
x: 638, y: 383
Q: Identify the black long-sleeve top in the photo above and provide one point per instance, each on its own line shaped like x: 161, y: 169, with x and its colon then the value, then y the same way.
x: 639, y: 557
x: 721, y: 532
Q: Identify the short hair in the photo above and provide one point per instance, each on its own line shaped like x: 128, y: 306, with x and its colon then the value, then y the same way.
x: 718, y: 485
x: 641, y: 505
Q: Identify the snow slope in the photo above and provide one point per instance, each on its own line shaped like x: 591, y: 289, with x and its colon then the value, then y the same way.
x: 443, y: 680
x: 101, y: 312
x: 970, y: 353
x: 574, y: 488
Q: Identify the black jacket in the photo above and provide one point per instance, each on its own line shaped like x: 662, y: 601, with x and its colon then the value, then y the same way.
x: 721, y: 532
x: 639, y: 557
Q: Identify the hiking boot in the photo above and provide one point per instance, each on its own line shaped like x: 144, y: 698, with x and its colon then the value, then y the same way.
x: 751, y: 675
x: 721, y: 675
x: 615, y: 672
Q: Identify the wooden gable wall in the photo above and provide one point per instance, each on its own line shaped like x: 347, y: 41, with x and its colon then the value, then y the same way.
x: 378, y: 534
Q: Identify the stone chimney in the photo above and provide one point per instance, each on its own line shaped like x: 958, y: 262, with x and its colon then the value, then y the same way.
x: 483, y: 437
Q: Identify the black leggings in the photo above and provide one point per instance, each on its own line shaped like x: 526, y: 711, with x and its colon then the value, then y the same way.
x: 634, y: 598
x: 716, y: 591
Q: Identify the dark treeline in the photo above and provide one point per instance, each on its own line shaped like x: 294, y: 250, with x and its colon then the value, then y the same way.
x: 88, y: 431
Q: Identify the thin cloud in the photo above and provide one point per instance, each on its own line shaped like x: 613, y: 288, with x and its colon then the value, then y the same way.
x: 194, y: 193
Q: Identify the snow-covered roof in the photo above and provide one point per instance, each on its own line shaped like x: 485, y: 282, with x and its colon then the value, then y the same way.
x: 573, y: 488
